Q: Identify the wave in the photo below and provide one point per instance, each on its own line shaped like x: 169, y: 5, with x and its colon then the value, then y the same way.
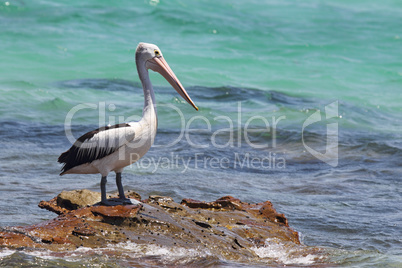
x: 356, y: 136
x: 99, y: 84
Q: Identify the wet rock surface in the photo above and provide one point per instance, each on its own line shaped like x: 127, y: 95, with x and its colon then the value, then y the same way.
x: 77, y: 199
x: 227, y: 227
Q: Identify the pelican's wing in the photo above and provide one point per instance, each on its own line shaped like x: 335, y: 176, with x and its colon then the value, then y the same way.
x: 96, y: 145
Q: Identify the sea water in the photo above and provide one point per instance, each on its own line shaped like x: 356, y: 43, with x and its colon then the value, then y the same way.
x: 300, y: 104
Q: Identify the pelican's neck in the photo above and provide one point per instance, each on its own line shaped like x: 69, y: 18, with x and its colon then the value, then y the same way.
x: 149, y: 110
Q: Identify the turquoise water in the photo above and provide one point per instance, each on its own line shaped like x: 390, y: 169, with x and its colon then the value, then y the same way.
x: 263, y: 59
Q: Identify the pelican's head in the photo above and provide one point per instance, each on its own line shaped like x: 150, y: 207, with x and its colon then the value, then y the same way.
x: 152, y: 57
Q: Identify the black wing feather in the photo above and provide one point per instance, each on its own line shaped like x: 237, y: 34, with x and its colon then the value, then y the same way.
x: 76, y: 155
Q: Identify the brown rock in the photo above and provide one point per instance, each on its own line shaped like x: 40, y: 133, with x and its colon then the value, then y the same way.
x: 83, y: 230
x: 116, y: 212
x: 227, y: 227
x: 52, y: 206
x: 230, y: 203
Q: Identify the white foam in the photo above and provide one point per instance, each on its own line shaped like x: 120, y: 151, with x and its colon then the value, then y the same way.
x: 285, y: 254
x: 43, y: 254
x: 6, y: 252
x: 166, y: 253
x: 273, y: 250
x: 127, y: 249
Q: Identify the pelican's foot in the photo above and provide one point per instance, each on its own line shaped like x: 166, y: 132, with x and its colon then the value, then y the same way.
x: 125, y: 201
x: 116, y: 202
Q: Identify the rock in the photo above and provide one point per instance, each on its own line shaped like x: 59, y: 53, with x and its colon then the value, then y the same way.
x: 227, y: 227
x: 77, y: 199
x: 52, y: 206
x: 265, y: 209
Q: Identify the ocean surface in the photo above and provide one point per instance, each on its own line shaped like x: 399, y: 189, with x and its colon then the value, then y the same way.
x: 300, y: 104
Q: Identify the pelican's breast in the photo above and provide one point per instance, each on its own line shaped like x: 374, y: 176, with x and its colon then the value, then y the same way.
x: 132, y: 151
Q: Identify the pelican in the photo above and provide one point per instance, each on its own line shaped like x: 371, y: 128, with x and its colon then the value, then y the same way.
x: 112, y: 148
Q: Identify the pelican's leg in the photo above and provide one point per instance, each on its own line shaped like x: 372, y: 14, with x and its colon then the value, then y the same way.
x: 122, y: 197
x: 103, y: 190
x: 104, y: 200
x: 120, y: 186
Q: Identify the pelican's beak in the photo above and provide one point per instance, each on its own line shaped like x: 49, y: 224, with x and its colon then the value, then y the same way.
x: 158, y: 64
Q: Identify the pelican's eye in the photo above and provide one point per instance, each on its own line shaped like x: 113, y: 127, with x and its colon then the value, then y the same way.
x: 157, y: 53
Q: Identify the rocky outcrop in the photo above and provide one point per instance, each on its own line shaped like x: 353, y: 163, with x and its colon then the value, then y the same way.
x: 226, y: 227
